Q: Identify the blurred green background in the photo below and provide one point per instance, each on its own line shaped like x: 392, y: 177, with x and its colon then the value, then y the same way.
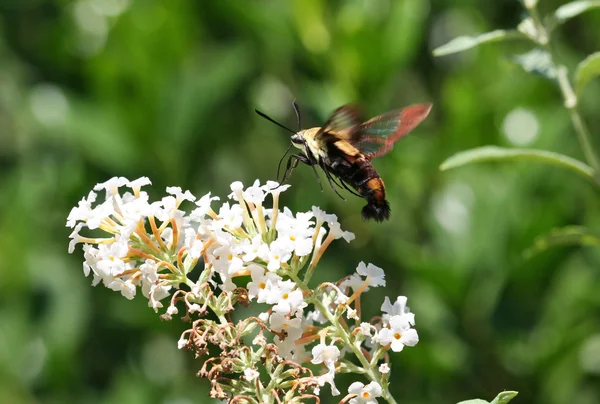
x: 92, y: 89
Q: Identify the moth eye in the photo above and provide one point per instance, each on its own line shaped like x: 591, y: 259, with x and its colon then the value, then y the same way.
x: 297, y: 139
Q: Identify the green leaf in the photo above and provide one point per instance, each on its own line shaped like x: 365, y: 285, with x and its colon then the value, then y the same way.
x: 564, y: 236
x: 573, y: 9
x: 587, y: 69
x: 463, y: 43
x: 537, y: 61
x: 504, y: 397
x: 501, y: 398
x: 493, y: 153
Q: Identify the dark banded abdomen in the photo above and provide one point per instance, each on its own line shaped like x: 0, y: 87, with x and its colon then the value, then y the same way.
x: 364, y: 178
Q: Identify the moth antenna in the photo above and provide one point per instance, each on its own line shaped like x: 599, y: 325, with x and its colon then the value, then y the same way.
x: 268, y: 118
x: 297, y: 109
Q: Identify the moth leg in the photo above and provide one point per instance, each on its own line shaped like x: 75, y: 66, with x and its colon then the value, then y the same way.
x: 331, y: 183
x: 291, y: 165
x: 335, y: 165
x: 353, y: 192
x: 281, y: 160
x: 310, y: 159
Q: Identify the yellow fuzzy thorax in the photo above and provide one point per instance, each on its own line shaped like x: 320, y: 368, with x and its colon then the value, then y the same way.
x: 319, y: 145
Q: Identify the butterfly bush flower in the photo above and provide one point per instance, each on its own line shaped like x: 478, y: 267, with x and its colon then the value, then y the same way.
x: 193, y: 257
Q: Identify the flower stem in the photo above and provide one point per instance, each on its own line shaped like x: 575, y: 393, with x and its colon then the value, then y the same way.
x: 569, y: 96
x: 583, y: 134
x: 345, y: 337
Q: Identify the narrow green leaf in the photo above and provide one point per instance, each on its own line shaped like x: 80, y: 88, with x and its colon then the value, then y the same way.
x: 537, y: 61
x: 463, y: 43
x: 564, y: 236
x: 504, y: 397
x: 501, y: 398
x: 573, y: 9
x: 493, y: 153
x: 587, y: 69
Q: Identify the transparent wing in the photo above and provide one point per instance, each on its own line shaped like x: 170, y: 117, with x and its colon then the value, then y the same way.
x: 377, y: 136
x: 343, y: 122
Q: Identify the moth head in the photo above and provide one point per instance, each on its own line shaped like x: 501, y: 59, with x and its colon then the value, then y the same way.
x: 298, y: 140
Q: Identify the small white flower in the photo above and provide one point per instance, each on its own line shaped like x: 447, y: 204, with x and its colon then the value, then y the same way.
x: 353, y: 281
x: 293, y: 331
x: 296, y: 233
x: 252, y: 249
x: 399, y: 334
x: 136, y: 185
x: 149, y: 270
x: 231, y: 216
x: 82, y: 211
x: 127, y: 288
x: 169, y: 206
x: 321, y: 216
x: 292, y: 326
x: 236, y: 186
x: 364, y: 394
x: 251, y: 374
x: 254, y: 194
x: 328, y: 378
x: 180, y: 195
x: 384, y: 368
x: 194, y: 245
x: 226, y: 261
x: 203, y: 207
x: 274, y: 188
x: 397, y: 309
x: 262, y: 284
x: 316, y: 317
x: 155, y: 294
x: 374, y: 274
x: 336, y: 231
x: 99, y: 213
x: 278, y: 253
x: 172, y: 310
x: 352, y: 314
x: 182, y: 343
x: 112, y: 186
x: 325, y: 354
x: 341, y: 298
x: 365, y: 329
x: 286, y: 297
x: 259, y: 340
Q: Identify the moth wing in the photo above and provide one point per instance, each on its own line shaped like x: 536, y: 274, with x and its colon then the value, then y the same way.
x: 377, y: 136
x: 343, y: 123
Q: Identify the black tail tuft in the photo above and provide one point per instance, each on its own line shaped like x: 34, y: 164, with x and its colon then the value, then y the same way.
x: 379, y: 211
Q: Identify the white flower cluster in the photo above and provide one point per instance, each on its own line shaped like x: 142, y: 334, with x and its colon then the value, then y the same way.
x: 272, y: 253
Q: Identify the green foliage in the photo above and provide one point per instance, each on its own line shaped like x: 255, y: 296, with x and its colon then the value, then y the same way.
x: 501, y: 398
x: 588, y: 69
x: 92, y: 89
x: 569, y: 235
x: 463, y: 43
x: 573, y: 9
x: 492, y: 153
